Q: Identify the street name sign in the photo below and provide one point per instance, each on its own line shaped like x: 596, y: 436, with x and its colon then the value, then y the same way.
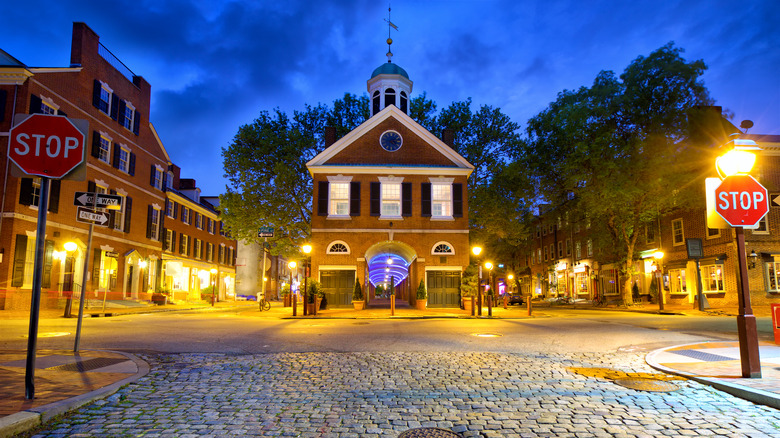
x: 266, y: 232
x: 90, y: 216
x: 86, y: 199
x: 741, y: 201
x: 46, y: 145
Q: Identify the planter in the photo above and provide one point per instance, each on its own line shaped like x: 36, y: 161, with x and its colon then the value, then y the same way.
x: 359, y: 305
x: 467, y: 304
x: 287, y: 301
x: 319, y: 303
x: 420, y: 304
x: 310, y: 308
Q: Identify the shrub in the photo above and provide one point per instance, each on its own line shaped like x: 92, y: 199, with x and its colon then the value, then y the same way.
x: 421, y: 293
x: 357, y: 294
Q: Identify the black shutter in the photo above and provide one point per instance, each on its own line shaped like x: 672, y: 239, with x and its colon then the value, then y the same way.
x: 111, y: 213
x: 354, y: 199
x: 115, y: 160
x: 425, y: 199
x: 35, y: 104
x: 173, y: 241
x: 121, y: 112
x: 91, y: 186
x: 375, y: 198
x: 457, y: 200
x: 175, y: 210
x: 96, y: 144
x: 406, y: 199
x: 164, y: 181
x: 128, y: 210
x: 164, y: 239
x: 136, y: 122
x: 20, y: 252
x: 61, y: 113
x: 114, y: 106
x: 149, y: 221
x: 97, y: 252
x: 96, y: 88
x: 131, y: 168
x: 48, y: 252
x: 151, y: 175
x: 54, y: 196
x: 26, y: 192
x: 3, y: 100
x: 181, y: 243
x: 322, y: 198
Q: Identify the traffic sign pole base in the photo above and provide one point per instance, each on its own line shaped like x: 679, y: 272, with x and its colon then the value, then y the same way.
x: 748, y: 346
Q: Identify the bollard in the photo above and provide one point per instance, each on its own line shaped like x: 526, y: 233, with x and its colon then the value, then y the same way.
x: 490, y: 305
x: 392, y: 305
x: 506, y: 298
x: 776, y: 322
x: 473, y: 305
x: 295, y: 304
x: 529, y: 305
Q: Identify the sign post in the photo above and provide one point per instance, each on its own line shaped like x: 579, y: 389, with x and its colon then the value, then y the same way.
x: 265, y: 233
x: 49, y: 147
x: 743, y: 202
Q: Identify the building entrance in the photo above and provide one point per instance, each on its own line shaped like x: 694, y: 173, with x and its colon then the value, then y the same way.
x: 388, y: 265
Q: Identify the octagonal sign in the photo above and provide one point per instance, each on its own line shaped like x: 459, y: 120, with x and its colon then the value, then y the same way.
x: 46, y: 145
x: 741, y: 201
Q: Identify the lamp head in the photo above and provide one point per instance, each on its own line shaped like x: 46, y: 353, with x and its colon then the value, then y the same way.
x: 510, y: 276
x: 739, y: 159
x: 488, y: 266
x: 658, y: 255
x: 292, y: 265
x: 70, y: 246
x: 213, y: 270
x: 476, y: 250
x: 306, y: 248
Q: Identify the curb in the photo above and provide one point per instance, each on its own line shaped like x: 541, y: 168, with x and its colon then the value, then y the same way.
x: 24, y: 421
x: 750, y: 394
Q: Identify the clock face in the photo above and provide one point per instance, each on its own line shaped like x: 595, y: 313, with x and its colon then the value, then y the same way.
x: 391, y: 141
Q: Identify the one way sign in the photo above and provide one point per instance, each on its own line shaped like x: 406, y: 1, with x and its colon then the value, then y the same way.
x: 774, y: 199
x: 89, y: 216
x: 85, y: 199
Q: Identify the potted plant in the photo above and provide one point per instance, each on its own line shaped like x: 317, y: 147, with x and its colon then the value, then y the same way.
x: 161, y: 297
x: 422, y: 297
x: 287, y: 302
x: 314, y: 296
x: 357, y: 296
x: 468, y: 287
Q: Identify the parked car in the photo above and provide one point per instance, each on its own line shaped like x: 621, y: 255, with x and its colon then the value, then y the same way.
x: 516, y: 298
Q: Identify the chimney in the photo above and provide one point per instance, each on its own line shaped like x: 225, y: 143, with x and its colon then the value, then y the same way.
x: 448, y: 137
x: 330, y: 135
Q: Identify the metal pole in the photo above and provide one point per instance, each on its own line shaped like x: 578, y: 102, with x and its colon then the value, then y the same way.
x: 84, y: 273
x: 306, y: 289
x: 491, y: 280
x: 262, y: 276
x: 35, y: 303
x: 746, y: 321
x: 661, y: 297
x: 293, y: 296
x: 479, y: 290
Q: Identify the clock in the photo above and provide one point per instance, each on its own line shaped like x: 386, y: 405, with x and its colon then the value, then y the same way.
x: 391, y: 141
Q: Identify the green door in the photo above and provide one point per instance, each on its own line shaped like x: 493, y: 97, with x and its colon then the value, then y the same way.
x: 338, y: 286
x: 443, y: 289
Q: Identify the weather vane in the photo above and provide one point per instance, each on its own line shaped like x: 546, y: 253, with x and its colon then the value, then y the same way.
x: 390, y: 27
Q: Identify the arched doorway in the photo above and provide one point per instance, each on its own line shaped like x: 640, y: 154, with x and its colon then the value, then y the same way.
x: 389, y: 263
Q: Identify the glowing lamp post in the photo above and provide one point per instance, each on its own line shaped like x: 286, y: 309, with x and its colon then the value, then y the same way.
x: 477, y: 250
x: 509, y: 288
x: 306, y: 249
x: 658, y: 255
x: 738, y: 186
x: 292, y: 266
x: 489, y: 267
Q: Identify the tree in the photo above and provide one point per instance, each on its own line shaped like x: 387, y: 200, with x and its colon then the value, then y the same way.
x: 617, y: 151
x: 265, y: 165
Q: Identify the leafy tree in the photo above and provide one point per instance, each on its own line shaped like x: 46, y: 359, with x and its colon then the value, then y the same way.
x: 617, y: 151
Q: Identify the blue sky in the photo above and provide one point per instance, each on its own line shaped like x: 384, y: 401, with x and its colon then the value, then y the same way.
x: 214, y: 65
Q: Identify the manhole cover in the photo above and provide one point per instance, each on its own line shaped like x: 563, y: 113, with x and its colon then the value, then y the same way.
x: 360, y: 323
x: 641, y: 384
x: 425, y: 432
x: 487, y: 335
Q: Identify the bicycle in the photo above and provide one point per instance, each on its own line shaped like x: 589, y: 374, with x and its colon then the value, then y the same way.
x: 264, y: 304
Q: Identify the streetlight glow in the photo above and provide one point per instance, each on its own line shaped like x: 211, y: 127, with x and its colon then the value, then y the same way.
x: 292, y: 264
x: 306, y: 248
x: 658, y: 255
x: 736, y: 161
x: 70, y: 246
x: 488, y: 266
x: 476, y: 250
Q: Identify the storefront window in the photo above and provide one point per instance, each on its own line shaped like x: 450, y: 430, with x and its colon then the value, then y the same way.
x: 712, y: 278
x: 772, y: 276
x: 581, y: 280
x: 677, y: 279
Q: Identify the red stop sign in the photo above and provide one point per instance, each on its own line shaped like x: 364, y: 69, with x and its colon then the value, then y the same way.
x: 46, y: 145
x: 741, y: 201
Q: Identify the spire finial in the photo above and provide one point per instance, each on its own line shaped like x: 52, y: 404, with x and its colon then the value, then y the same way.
x: 390, y: 27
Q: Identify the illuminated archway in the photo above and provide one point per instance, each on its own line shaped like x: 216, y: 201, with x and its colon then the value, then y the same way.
x: 389, y: 259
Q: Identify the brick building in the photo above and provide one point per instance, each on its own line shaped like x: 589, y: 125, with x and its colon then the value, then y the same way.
x: 125, y: 157
x: 390, y: 204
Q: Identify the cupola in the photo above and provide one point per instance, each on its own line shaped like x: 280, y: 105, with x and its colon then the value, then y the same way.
x: 389, y: 83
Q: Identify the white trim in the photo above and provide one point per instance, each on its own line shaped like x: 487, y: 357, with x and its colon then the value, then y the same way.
x: 443, y: 242
x: 385, y: 230
x: 389, y: 170
x: 321, y: 268
x: 330, y: 245
x: 441, y: 180
x: 390, y: 179
x: 443, y: 268
x: 388, y: 112
x: 339, y: 178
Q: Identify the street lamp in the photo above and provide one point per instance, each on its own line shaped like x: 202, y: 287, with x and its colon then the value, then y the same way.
x: 489, y: 267
x: 306, y: 248
x: 477, y: 250
x: 292, y: 266
x: 740, y: 160
x: 213, y: 284
x: 509, y: 288
x: 658, y: 255
x: 69, y: 248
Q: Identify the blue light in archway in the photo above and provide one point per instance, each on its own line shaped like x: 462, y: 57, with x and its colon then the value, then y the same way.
x: 390, y: 265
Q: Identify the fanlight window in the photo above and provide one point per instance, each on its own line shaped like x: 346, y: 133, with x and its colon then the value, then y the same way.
x: 338, y: 248
x: 443, y: 248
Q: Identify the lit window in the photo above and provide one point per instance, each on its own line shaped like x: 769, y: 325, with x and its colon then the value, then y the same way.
x: 35, y: 196
x: 29, y: 263
x: 391, y: 199
x: 538, y: 255
x: 124, y: 160
x: 443, y: 248
x: 339, y: 199
x: 677, y: 280
x: 590, y: 247
x: 184, y: 243
x: 712, y: 278
x: 105, y: 99
x: 678, y: 237
x: 578, y: 250
x: 773, y: 277
x: 442, y: 200
x: 168, y: 240
x: 198, y: 248
x: 338, y: 248
x: 127, y: 117
x: 119, y: 215
x: 763, y: 226
x: 105, y: 149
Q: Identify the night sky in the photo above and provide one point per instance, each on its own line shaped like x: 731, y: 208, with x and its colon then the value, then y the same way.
x: 213, y: 68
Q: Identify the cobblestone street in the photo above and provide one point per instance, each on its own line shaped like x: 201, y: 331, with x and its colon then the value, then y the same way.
x: 384, y: 394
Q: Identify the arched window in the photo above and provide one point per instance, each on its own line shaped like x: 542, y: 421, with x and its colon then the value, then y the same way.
x: 442, y: 248
x: 375, y: 103
x: 389, y: 97
x: 338, y: 247
x: 404, y: 103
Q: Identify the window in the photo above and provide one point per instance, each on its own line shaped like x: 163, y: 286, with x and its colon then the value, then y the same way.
x: 169, y: 208
x: 713, y: 233
x: 545, y: 253
x: 185, y: 215
x: 124, y: 159
x: 442, y: 248
x: 552, y: 251
x: 544, y: 230
x: 442, y: 200
x: 677, y: 280
x: 168, y: 244
x: 560, y: 249
x: 538, y: 255
x: 763, y: 226
x: 198, y: 245
x: 153, y: 223
x: 678, y: 237
x: 169, y: 181
x: 559, y: 223
x: 338, y: 248
x: 389, y: 97
x: 712, y: 278
x: 339, y: 199
x: 47, y: 108
x: 104, y: 149
x: 650, y: 234
x: 127, y: 117
x: 568, y: 247
x: 210, y: 252
x: 532, y: 258
x: 211, y: 226
x: 590, y: 247
x: 773, y: 276
x: 104, y: 98
x: 550, y: 231
x: 538, y: 230
x: 391, y: 199
x: 184, y: 244
x: 198, y: 221
x: 119, y: 215
x: 157, y: 177
x: 578, y: 250
x: 35, y: 196
x: 221, y: 254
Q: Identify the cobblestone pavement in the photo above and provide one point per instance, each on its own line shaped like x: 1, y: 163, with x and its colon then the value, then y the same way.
x: 383, y: 394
